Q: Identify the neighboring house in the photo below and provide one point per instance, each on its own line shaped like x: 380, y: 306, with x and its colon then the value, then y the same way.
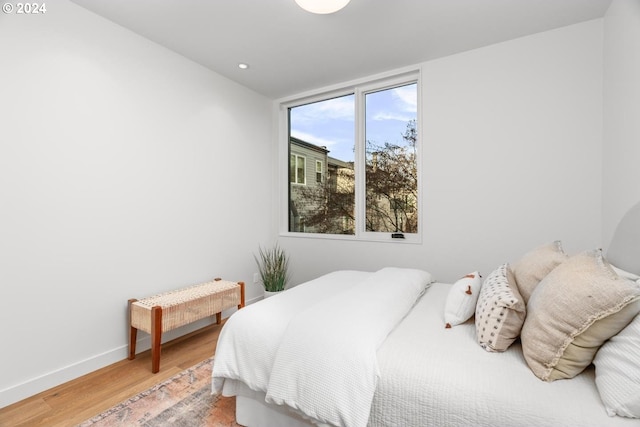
x: 313, y: 175
x: 340, y: 175
x: 307, y: 162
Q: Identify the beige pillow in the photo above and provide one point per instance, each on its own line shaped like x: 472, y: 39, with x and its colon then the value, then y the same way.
x: 535, y: 265
x: 500, y: 311
x: 575, y: 309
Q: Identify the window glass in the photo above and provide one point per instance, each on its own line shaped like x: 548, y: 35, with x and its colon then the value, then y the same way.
x: 324, y: 131
x: 362, y: 154
x: 391, y: 165
x: 319, y: 171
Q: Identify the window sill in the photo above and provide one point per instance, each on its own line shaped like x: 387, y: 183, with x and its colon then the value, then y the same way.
x: 414, y: 239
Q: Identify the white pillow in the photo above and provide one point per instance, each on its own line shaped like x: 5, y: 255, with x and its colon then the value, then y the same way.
x: 627, y: 275
x: 462, y: 298
x: 618, y: 372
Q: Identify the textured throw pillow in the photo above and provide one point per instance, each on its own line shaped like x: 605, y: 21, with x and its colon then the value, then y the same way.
x: 572, y: 312
x: 618, y: 372
x: 535, y: 265
x: 462, y: 299
x: 500, y: 311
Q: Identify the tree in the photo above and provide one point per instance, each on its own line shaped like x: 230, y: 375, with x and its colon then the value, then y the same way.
x: 392, y: 184
x: 329, y: 207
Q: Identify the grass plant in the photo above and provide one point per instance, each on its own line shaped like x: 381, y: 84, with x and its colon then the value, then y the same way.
x: 273, y: 266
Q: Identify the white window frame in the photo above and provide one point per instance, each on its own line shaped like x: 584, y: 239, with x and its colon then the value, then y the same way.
x: 359, y: 89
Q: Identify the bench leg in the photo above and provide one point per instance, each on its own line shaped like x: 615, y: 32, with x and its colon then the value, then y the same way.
x: 156, y: 337
x: 133, y: 334
x: 218, y: 318
x: 241, y: 295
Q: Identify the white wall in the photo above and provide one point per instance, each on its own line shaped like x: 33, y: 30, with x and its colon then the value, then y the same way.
x: 621, y: 147
x: 511, y: 159
x: 125, y: 170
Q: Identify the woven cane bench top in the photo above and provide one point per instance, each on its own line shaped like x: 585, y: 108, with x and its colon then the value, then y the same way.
x: 191, y: 293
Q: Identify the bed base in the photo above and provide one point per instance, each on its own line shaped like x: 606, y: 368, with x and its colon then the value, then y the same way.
x: 253, y: 413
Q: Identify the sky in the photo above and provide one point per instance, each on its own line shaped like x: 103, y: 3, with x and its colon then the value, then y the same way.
x: 331, y: 123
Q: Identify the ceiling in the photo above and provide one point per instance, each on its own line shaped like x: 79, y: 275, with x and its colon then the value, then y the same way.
x: 291, y: 51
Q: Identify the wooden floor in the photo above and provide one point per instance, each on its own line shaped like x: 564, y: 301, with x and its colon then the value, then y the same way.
x: 71, y: 403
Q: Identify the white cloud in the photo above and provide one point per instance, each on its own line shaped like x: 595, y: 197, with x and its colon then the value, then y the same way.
x: 307, y: 137
x: 393, y: 115
x: 407, y: 97
x: 402, y: 105
x: 341, y: 108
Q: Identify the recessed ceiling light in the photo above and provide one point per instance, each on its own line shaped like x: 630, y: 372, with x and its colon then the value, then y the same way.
x: 243, y: 66
x: 322, y: 6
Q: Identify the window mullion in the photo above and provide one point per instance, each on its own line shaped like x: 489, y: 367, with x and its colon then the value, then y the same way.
x: 359, y: 166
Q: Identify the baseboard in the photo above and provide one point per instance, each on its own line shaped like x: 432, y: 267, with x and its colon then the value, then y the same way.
x: 52, y: 379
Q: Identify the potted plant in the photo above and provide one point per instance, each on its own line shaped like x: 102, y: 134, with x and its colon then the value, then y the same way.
x: 273, y: 266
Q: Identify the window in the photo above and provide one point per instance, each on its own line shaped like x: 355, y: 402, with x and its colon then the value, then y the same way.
x: 297, y: 170
x: 367, y: 137
x: 319, y: 172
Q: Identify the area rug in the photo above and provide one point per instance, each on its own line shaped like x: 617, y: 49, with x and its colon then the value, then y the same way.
x: 184, y: 400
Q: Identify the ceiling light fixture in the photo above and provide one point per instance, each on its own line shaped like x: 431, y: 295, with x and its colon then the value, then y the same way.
x: 243, y: 66
x: 322, y: 6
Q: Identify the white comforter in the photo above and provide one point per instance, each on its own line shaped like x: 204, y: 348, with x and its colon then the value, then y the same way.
x: 325, y: 366
x: 433, y: 376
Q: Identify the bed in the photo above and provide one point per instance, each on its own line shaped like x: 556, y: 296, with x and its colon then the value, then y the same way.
x: 349, y: 349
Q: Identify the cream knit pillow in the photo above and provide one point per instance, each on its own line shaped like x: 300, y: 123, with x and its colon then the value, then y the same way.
x: 573, y: 311
x: 535, y: 265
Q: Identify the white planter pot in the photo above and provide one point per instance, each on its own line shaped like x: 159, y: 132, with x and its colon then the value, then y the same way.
x: 268, y: 294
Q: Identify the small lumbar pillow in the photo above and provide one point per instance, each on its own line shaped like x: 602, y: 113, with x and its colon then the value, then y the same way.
x: 618, y: 372
x: 573, y: 311
x: 462, y: 299
x: 500, y: 311
x: 535, y: 265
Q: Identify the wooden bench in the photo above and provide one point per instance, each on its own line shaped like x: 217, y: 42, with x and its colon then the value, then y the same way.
x: 170, y: 310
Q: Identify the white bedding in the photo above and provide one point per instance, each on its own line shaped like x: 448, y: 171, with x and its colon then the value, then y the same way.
x: 248, y: 342
x: 429, y: 375
x: 337, y: 372
x: 432, y: 376
x: 326, y: 366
